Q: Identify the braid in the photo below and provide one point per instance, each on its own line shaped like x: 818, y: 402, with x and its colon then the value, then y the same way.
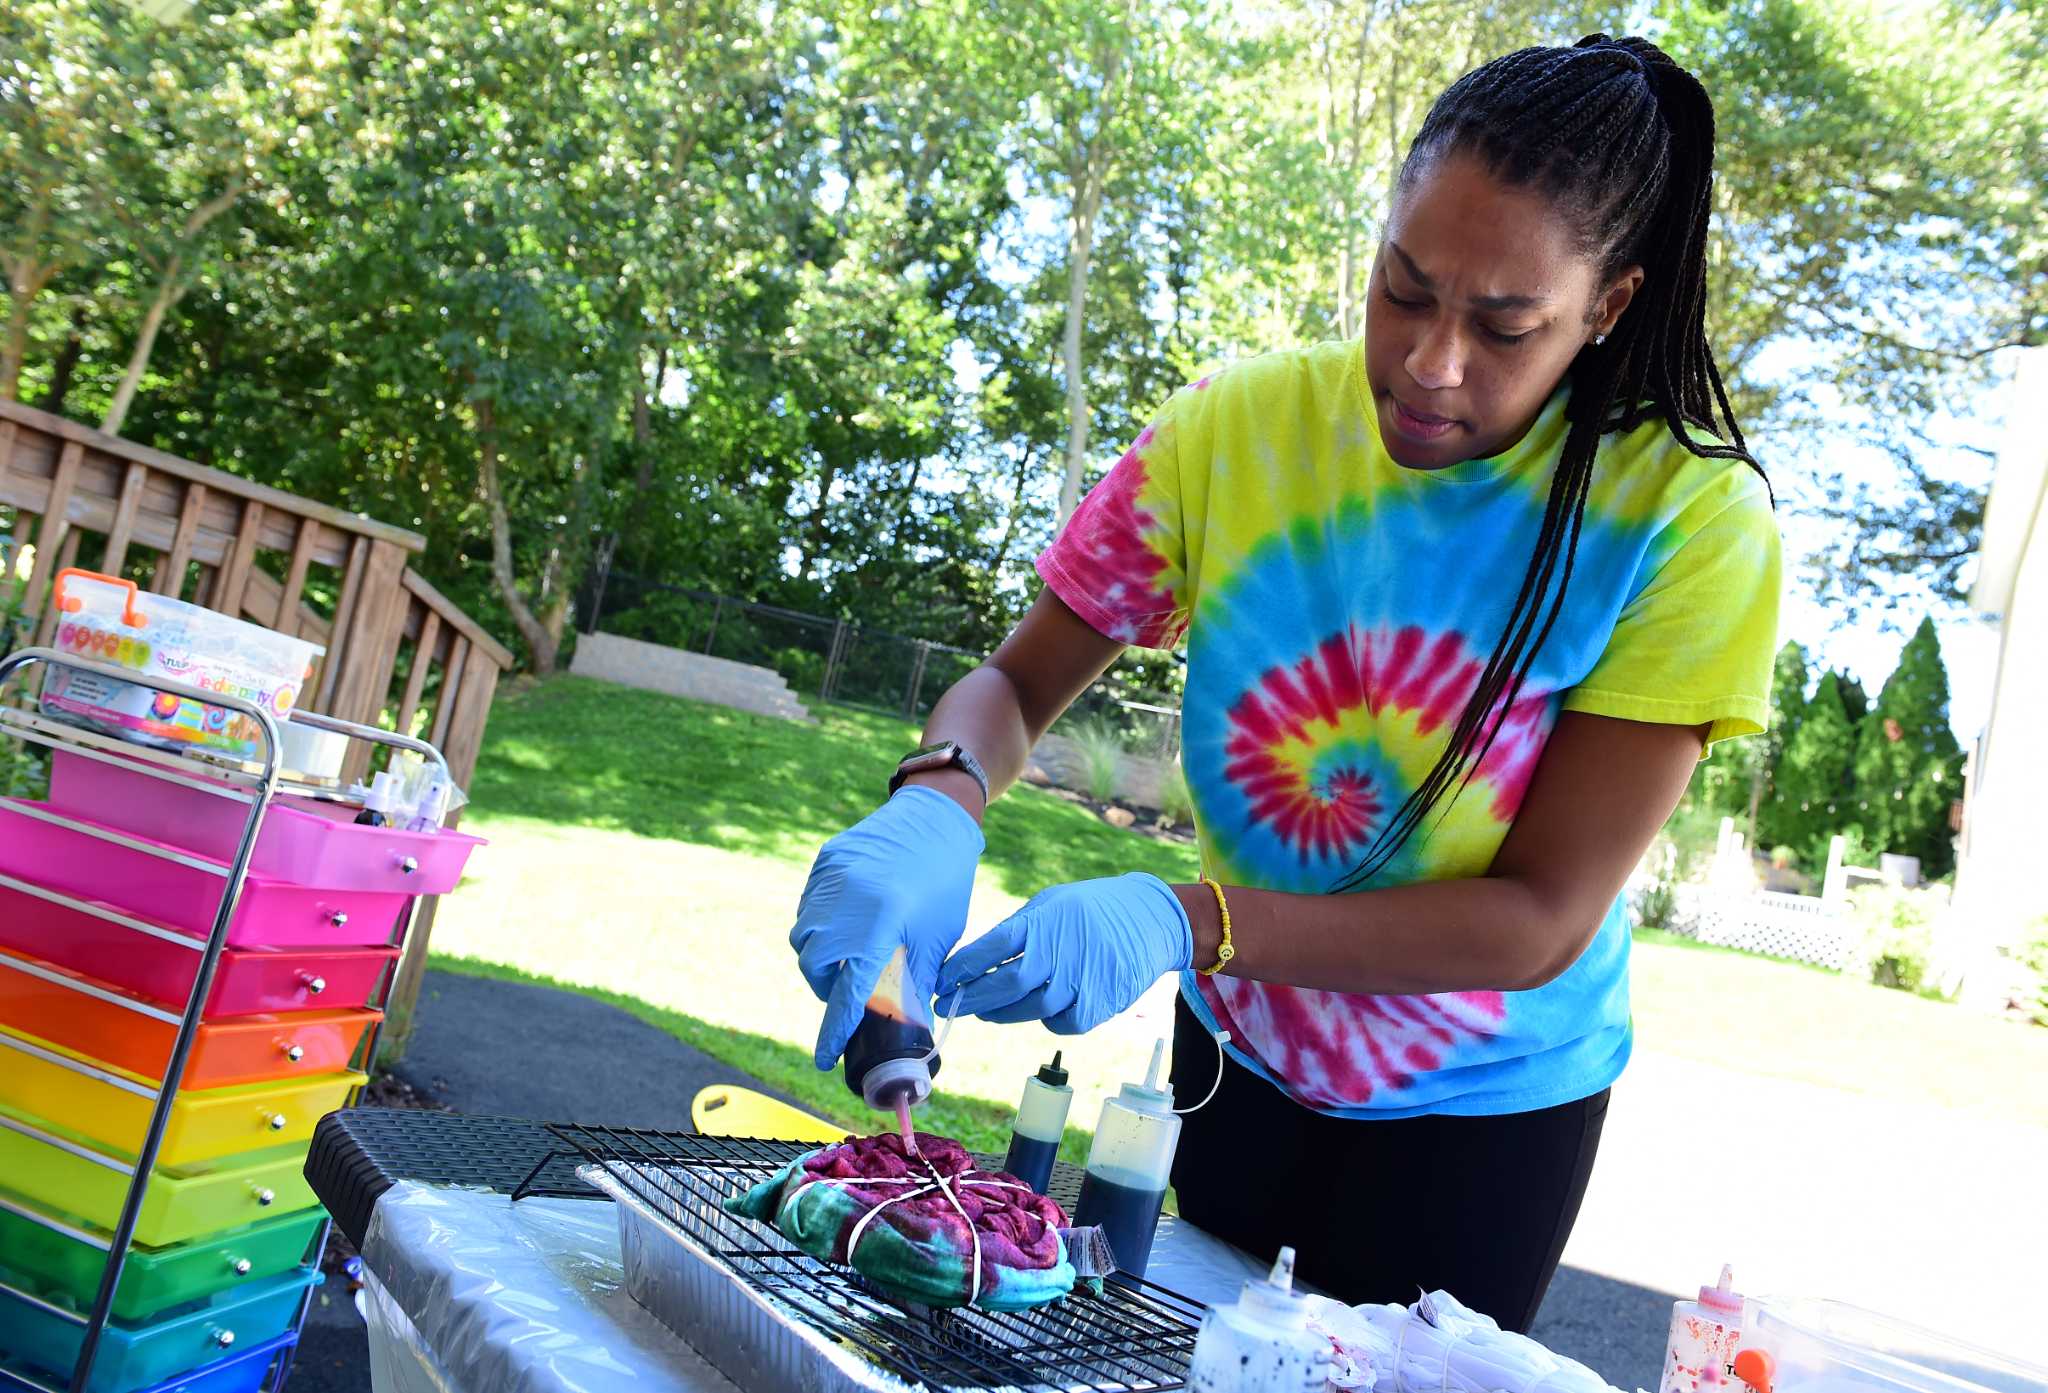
x: 1616, y: 131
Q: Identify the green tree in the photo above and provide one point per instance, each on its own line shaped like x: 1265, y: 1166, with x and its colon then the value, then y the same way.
x: 1882, y: 192
x: 1755, y: 769
x: 1908, y: 766
x: 1809, y: 798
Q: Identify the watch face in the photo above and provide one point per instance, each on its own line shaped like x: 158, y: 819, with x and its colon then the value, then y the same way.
x: 929, y: 757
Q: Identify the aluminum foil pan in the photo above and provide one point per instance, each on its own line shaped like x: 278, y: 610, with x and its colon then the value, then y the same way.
x: 765, y: 1343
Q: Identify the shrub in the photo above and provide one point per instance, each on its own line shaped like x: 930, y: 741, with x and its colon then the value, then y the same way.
x: 1897, y: 927
x: 1102, y: 751
x: 21, y: 766
x: 1784, y: 858
x: 1174, y: 799
x: 2032, y: 954
x: 801, y: 668
x: 1657, y: 904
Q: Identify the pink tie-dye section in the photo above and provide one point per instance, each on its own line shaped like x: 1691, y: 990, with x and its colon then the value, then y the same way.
x: 1343, y: 1049
x: 1105, y: 570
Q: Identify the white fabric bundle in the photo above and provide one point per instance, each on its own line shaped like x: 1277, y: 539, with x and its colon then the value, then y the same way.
x: 1438, y: 1345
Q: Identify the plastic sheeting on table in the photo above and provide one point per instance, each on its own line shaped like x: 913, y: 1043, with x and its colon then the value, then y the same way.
x: 474, y: 1292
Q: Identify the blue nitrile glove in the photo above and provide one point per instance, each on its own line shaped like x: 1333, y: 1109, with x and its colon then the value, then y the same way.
x: 1074, y: 956
x: 902, y: 875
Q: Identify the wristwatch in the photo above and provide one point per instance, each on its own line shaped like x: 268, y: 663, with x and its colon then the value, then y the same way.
x: 947, y: 754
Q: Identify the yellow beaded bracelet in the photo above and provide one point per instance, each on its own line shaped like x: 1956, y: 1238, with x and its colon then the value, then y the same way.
x: 1225, y: 951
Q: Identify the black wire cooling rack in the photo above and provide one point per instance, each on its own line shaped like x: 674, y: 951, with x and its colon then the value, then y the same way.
x: 1133, y: 1338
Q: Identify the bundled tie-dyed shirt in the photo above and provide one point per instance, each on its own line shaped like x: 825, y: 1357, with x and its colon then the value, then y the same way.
x: 1338, y: 609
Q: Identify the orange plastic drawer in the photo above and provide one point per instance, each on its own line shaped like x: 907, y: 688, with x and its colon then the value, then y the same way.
x: 79, y: 1013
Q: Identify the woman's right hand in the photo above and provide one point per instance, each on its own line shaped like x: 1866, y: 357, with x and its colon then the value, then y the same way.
x: 900, y: 877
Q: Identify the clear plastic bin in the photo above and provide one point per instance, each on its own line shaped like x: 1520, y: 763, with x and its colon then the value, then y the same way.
x: 1829, y: 1347
x: 108, y: 620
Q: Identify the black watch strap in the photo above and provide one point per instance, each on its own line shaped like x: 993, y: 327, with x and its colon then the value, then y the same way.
x: 947, y: 754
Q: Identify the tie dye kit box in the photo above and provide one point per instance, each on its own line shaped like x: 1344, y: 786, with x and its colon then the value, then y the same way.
x: 109, y: 621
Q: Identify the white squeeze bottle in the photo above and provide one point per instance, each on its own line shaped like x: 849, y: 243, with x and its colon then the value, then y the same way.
x: 1705, y: 1336
x: 1129, y: 1164
x: 1262, y: 1344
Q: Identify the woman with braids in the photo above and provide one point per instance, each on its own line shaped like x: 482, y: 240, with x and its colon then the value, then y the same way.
x: 1464, y: 604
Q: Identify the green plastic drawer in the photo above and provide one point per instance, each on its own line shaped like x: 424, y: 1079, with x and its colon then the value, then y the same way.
x: 226, y: 1194
x: 58, y: 1267
x: 134, y: 1356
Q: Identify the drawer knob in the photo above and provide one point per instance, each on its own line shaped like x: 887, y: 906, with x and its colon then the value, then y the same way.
x: 243, y: 1267
x: 266, y: 1198
x: 409, y: 864
x: 224, y: 1338
x: 276, y: 1121
x: 316, y: 985
x: 295, y: 1053
x: 338, y: 919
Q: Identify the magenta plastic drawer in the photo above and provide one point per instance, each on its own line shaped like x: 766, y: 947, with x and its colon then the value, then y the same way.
x: 305, y: 842
x: 247, y: 981
x: 182, y: 895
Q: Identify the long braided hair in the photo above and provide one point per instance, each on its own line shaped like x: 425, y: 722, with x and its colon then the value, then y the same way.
x: 1616, y: 132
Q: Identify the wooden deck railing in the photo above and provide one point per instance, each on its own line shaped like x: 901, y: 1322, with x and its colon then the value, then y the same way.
x: 399, y: 654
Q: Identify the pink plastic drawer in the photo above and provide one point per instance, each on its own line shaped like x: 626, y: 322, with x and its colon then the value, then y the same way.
x: 303, y: 841
x: 181, y: 895
x: 247, y: 981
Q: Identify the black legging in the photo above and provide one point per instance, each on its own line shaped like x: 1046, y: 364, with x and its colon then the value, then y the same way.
x: 1477, y: 1206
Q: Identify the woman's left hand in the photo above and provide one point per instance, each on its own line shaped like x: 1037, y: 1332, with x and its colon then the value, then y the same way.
x: 1073, y: 957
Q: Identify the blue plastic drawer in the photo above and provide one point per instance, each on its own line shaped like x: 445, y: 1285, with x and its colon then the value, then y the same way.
x: 238, y: 1373
x: 172, y: 1346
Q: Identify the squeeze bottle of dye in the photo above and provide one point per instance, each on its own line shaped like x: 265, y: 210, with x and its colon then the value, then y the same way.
x: 1041, y: 1122
x: 1705, y: 1337
x: 1128, y: 1165
x: 889, y: 1060
x: 1262, y: 1343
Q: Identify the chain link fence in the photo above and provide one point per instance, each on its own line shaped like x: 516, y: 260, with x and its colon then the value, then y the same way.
x: 838, y: 660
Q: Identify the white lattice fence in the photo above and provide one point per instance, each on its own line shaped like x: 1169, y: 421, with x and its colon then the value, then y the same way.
x: 1799, y: 927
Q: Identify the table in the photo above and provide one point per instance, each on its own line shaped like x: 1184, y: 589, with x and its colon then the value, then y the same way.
x: 467, y: 1290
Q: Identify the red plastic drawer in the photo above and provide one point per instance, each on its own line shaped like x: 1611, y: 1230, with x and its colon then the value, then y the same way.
x: 161, y: 969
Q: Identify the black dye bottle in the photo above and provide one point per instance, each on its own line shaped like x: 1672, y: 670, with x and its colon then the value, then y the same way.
x: 1041, y: 1122
x: 889, y: 1060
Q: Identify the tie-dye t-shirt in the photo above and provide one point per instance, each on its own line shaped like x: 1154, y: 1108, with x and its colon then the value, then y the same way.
x: 1337, y: 610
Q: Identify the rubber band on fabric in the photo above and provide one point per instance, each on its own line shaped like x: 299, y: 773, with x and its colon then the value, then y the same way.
x: 939, y: 1183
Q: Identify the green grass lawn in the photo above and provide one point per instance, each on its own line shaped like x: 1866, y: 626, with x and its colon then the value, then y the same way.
x: 572, y: 751
x: 652, y: 850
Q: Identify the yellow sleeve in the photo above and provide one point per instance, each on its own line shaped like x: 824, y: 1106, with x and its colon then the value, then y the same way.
x: 1694, y: 644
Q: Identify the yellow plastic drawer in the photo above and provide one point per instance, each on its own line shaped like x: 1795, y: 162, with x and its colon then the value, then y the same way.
x: 65, y: 1177
x: 111, y: 1106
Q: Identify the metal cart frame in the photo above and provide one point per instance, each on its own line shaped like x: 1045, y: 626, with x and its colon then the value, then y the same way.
x: 257, y: 783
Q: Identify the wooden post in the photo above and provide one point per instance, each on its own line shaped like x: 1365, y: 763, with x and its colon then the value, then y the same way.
x: 170, y: 577
x: 370, y: 649
x: 295, y: 578
x: 344, y: 617
x: 416, y: 680
x: 56, y: 523
x: 234, y: 572
x: 465, y: 743
x: 124, y: 519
